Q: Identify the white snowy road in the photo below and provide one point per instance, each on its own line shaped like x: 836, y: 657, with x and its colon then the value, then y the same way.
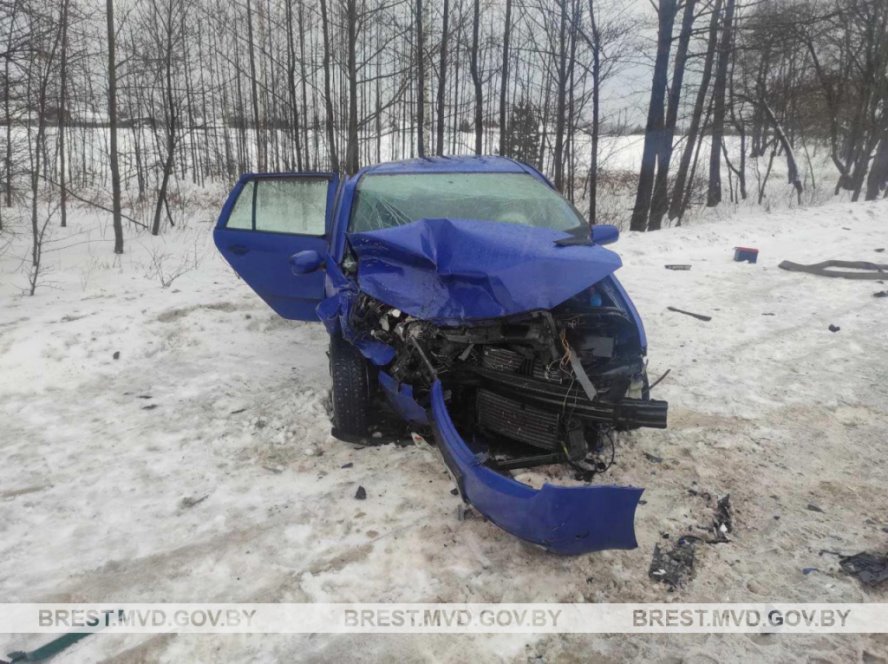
x: 215, y: 399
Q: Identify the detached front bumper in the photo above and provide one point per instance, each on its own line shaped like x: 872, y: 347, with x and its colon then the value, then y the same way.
x: 565, y: 520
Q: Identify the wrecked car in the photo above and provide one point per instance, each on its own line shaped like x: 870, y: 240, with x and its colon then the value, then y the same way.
x: 476, y: 300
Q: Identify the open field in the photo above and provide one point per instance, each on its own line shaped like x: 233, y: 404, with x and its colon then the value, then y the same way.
x: 214, y: 396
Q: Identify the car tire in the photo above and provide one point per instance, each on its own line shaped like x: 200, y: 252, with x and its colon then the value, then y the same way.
x: 351, y: 390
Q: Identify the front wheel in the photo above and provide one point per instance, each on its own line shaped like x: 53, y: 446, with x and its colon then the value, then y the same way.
x: 351, y: 390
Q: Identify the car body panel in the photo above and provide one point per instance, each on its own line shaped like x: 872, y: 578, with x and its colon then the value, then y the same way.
x: 261, y: 258
x: 454, y: 271
x: 566, y: 520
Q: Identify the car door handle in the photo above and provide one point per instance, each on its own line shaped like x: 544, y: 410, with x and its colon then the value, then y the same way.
x: 238, y: 249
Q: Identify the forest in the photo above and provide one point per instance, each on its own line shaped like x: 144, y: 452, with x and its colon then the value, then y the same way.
x: 130, y: 107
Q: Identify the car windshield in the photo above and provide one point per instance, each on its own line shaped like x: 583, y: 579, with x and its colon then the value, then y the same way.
x: 384, y: 201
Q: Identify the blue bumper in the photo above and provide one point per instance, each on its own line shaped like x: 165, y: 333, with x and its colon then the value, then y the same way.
x: 566, y: 520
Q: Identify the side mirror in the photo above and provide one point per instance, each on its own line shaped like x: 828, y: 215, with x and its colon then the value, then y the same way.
x: 305, y: 262
x: 605, y: 234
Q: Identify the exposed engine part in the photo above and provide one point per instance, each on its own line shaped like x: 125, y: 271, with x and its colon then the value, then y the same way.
x: 511, y: 418
x: 558, y: 380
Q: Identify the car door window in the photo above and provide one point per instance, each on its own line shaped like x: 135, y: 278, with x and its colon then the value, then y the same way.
x: 295, y: 206
x: 242, y: 213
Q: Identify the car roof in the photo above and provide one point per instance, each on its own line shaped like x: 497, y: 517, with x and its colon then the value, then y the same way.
x: 455, y: 164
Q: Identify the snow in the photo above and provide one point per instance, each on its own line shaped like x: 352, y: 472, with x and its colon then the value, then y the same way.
x: 214, y: 395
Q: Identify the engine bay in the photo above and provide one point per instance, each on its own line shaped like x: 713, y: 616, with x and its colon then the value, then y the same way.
x: 544, y: 387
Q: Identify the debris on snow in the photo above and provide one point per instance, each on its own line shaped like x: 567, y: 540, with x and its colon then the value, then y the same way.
x: 724, y: 520
x: 361, y: 493
x: 834, y: 328
x: 705, y: 319
x: 191, y: 501
x: 745, y: 255
x: 683, y: 268
x: 855, y: 269
x: 675, y: 566
x: 870, y: 568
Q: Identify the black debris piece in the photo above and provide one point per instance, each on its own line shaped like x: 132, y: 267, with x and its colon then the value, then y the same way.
x: 870, y: 568
x: 361, y: 493
x: 880, y: 250
x: 675, y: 566
x: 48, y: 650
x: 705, y: 319
x: 855, y: 269
x: 191, y: 501
x: 768, y: 313
x: 238, y: 411
x: 659, y: 380
x: 653, y: 458
x: 150, y: 406
x: 347, y: 465
x: 834, y: 328
x: 881, y: 293
x: 724, y: 519
x: 116, y: 355
x: 814, y: 508
x: 454, y: 492
x: 682, y: 268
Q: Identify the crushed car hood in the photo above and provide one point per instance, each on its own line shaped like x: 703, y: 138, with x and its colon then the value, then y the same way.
x: 449, y: 271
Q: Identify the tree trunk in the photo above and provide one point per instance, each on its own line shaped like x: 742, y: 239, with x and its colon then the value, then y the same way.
x: 328, y: 99
x: 660, y: 198
x: 714, y: 194
x: 561, y: 97
x: 655, y: 119
x: 63, y: 95
x: 442, y: 80
x: 596, y: 114
x: 261, y: 147
x: 420, y: 82
x: 878, y: 174
x: 504, y: 82
x: 112, y: 128
x: 351, y: 151
x: 291, y: 86
x: 677, y: 204
x: 476, y: 78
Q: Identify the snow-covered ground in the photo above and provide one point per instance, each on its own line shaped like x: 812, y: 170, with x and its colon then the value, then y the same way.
x: 214, y: 397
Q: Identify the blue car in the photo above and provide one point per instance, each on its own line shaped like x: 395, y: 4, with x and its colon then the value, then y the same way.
x: 472, y: 299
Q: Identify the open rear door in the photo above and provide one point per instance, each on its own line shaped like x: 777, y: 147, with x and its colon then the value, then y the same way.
x: 268, y: 219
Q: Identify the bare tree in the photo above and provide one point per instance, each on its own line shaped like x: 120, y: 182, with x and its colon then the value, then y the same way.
x: 476, y: 77
x: 714, y: 193
x: 504, y: 80
x: 440, y: 102
x: 112, y: 127
x: 420, y: 82
x: 656, y: 116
